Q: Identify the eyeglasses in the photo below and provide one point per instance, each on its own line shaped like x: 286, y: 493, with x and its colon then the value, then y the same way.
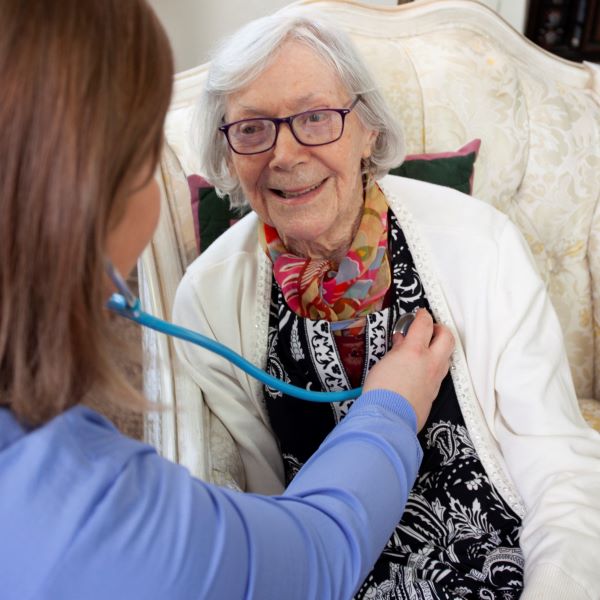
x: 310, y: 128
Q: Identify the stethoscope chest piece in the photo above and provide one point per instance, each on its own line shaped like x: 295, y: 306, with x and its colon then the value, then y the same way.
x: 403, y: 323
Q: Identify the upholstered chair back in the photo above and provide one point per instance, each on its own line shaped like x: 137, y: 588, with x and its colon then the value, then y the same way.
x: 452, y: 71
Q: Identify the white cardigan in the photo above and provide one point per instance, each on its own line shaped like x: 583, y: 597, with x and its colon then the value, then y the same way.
x: 509, y: 369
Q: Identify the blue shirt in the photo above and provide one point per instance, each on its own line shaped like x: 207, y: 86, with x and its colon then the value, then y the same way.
x: 87, y: 513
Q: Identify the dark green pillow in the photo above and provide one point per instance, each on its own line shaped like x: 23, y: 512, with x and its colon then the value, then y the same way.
x: 452, y: 169
x: 214, y: 215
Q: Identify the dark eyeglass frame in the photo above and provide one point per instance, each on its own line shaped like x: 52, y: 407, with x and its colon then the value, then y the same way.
x: 277, y: 121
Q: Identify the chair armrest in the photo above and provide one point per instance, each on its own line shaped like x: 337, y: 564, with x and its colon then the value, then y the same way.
x: 226, y: 467
x: 590, y: 409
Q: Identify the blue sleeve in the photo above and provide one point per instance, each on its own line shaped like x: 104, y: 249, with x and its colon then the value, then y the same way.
x: 160, y: 533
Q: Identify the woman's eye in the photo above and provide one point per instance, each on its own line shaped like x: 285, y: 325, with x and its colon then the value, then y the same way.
x: 318, y: 117
x: 250, y: 129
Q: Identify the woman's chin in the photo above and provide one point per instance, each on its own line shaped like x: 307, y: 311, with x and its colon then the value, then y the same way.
x: 306, y: 224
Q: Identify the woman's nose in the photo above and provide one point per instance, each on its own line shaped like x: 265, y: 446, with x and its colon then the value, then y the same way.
x: 288, y: 151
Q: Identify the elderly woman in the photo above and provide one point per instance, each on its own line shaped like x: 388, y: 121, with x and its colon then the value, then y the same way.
x: 310, y: 284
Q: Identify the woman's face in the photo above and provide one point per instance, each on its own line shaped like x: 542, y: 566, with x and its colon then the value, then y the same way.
x: 133, y: 232
x: 311, y: 195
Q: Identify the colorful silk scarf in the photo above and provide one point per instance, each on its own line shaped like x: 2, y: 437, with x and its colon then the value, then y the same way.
x: 342, y: 294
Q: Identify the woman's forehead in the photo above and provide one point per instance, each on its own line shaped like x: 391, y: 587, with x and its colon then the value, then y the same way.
x: 297, y: 79
x: 261, y: 105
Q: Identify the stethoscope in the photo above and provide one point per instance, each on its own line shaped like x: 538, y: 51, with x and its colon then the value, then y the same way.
x: 126, y: 304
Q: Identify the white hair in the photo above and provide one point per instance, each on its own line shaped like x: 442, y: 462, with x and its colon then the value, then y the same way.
x: 244, y: 56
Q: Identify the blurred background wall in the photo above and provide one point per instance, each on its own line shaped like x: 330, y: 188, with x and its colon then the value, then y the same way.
x: 194, y: 26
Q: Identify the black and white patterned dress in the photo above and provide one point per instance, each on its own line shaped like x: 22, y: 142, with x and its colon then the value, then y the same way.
x: 458, y: 538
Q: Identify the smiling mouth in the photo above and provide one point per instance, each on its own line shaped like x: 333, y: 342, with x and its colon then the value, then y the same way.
x: 288, y: 195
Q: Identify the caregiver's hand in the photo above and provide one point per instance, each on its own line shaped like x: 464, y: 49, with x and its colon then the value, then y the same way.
x: 415, y: 365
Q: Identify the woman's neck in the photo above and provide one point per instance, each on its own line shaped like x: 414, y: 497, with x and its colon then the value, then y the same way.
x: 333, y: 249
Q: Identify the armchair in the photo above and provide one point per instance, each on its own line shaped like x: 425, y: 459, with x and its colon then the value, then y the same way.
x: 453, y: 71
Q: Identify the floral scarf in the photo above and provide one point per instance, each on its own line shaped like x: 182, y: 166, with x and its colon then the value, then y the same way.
x: 342, y: 294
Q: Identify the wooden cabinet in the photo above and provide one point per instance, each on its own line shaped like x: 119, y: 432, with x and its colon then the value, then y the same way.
x: 568, y: 28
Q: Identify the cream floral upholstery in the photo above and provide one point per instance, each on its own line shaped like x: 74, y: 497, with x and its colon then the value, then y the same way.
x: 453, y: 71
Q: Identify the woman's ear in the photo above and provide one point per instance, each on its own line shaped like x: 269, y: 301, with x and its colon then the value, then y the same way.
x: 369, y: 143
x: 229, y: 163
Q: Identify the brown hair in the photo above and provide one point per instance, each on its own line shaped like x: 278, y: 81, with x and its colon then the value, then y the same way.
x: 85, y: 88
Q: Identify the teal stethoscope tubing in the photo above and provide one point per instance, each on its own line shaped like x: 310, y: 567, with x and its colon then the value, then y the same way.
x: 127, y: 305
